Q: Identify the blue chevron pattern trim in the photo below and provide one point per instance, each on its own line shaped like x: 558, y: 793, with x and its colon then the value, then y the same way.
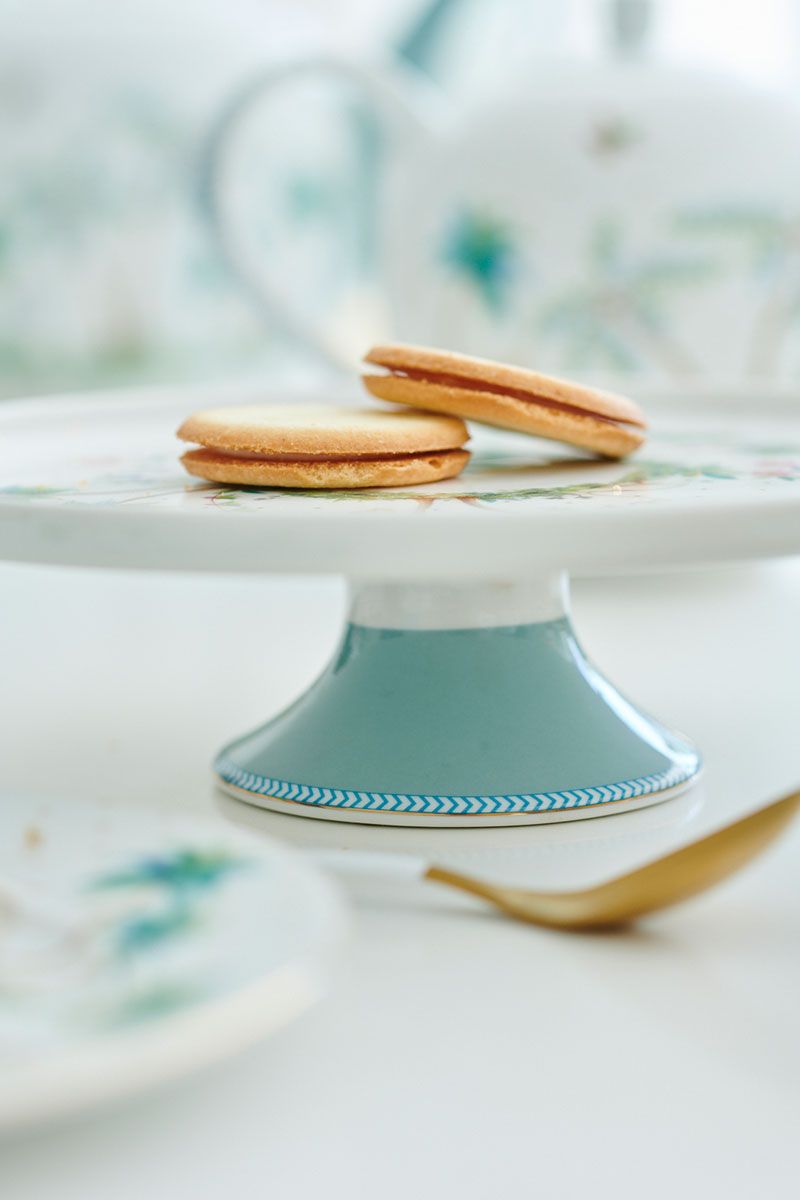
x: 301, y: 793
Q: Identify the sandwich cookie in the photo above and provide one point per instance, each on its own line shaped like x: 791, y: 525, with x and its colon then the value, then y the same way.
x: 313, y: 446
x: 510, y: 397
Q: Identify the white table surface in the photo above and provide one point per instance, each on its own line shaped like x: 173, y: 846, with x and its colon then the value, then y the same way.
x: 460, y: 1054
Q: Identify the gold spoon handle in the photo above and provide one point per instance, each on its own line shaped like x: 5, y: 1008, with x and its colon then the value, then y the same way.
x: 665, y: 881
x: 658, y: 884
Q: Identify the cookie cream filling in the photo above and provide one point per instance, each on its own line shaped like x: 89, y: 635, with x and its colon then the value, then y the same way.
x: 292, y: 457
x: 444, y: 379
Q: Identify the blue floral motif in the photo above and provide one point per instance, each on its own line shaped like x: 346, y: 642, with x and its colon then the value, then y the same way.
x: 183, y: 871
x: 182, y: 878
x: 480, y: 248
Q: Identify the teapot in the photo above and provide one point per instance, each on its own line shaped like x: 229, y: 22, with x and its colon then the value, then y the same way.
x: 614, y: 218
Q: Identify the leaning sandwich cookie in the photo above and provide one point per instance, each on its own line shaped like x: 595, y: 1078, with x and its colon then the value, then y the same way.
x: 314, y: 446
x: 505, y: 396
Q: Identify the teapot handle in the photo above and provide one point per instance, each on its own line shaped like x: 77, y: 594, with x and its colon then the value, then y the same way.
x: 406, y: 105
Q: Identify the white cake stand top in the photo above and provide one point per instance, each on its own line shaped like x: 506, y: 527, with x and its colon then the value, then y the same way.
x: 95, y: 481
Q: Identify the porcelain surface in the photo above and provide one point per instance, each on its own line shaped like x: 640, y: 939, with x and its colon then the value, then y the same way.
x: 139, y: 945
x: 490, y: 1022
x: 508, y: 721
x: 624, y: 217
x: 96, y: 481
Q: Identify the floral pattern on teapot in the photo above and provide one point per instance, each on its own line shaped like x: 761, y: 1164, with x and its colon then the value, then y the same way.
x: 619, y: 316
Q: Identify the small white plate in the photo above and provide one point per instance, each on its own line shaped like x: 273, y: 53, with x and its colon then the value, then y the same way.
x: 137, y: 945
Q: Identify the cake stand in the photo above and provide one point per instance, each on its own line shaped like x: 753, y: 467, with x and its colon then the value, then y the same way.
x: 459, y: 694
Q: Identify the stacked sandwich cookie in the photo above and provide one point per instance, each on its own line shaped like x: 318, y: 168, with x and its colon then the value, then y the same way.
x: 508, y: 397
x: 308, y: 446
x: 313, y: 446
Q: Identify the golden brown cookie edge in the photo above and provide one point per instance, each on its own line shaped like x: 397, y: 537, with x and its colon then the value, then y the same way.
x: 401, y: 472
x: 506, y: 412
x: 440, y: 431
x: 398, y: 356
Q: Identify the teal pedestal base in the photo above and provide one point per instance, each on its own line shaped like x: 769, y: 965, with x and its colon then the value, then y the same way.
x: 459, y: 705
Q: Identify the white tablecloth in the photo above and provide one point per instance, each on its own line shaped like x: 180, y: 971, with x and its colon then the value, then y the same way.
x: 460, y: 1054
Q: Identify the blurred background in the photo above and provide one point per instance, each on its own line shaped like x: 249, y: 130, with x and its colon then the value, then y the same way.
x: 258, y: 189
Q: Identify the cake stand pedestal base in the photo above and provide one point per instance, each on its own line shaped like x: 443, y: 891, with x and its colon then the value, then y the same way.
x: 459, y: 704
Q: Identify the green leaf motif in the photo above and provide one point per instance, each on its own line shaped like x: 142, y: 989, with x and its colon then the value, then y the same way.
x: 148, y: 1004
x: 764, y: 235
x: 643, y: 472
x: 618, y: 314
x: 143, y: 933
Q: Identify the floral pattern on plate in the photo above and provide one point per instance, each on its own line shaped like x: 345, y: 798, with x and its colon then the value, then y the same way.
x: 677, y: 461
x: 132, y: 940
